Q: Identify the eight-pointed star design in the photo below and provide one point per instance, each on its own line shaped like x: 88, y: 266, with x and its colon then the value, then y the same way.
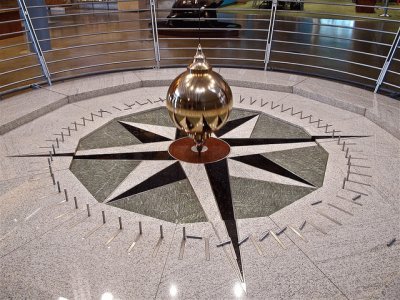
x: 158, y: 168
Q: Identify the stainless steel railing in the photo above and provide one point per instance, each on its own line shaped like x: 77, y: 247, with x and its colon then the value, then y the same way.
x: 355, y: 48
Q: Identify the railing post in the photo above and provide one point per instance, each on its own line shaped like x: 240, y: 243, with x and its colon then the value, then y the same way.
x: 388, y: 60
x: 270, y: 33
x: 154, y: 28
x: 34, y: 40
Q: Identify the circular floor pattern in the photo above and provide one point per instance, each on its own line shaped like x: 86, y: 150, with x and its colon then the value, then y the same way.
x: 293, y: 211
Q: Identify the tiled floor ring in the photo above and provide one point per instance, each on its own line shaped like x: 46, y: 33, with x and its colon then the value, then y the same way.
x: 55, y: 250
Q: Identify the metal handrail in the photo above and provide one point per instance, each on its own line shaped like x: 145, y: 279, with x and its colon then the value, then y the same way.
x: 323, y: 68
x: 248, y: 45
x: 327, y: 57
x: 333, y: 37
x: 104, y: 64
x: 99, y: 44
x: 330, y: 47
x: 97, y: 54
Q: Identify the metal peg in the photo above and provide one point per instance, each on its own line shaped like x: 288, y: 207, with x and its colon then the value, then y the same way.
x: 120, y: 223
x: 88, y: 210
x: 66, y: 195
x: 76, y: 203
x: 317, y: 202
x: 51, y: 156
x: 52, y: 177
x: 338, y: 140
x: 264, y: 235
x: 344, y: 145
x: 184, y: 233
x: 302, y: 225
x: 333, y: 133
x: 48, y: 162
x: 281, y: 231
x: 356, y: 197
x: 62, y: 137
x: 161, y: 232
x: 54, y: 149
x: 58, y: 187
x: 318, y: 122
x: 344, y: 183
x: 50, y: 170
x: 140, y: 228
x: 223, y: 243
x: 104, y: 216
x: 57, y: 143
x: 347, y: 152
x: 349, y: 160
x: 75, y: 126
x: 391, y: 242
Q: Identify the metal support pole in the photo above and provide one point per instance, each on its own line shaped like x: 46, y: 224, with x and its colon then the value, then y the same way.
x: 34, y: 39
x: 388, y: 60
x: 270, y: 33
x: 154, y: 29
x: 385, y: 10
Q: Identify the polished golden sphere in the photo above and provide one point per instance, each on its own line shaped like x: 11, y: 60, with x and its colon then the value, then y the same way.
x: 199, y: 100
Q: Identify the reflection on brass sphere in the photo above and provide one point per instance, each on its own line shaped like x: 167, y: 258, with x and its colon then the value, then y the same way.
x: 199, y: 100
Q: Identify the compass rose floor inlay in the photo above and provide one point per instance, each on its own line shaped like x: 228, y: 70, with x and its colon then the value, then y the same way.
x: 293, y: 211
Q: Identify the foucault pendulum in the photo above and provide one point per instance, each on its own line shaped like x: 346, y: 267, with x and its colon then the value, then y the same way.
x: 199, y: 102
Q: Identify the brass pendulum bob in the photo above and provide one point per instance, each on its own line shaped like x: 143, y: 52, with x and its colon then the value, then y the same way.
x: 199, y: 102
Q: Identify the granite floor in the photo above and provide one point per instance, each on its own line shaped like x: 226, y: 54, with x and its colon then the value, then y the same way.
x: 294, y: 211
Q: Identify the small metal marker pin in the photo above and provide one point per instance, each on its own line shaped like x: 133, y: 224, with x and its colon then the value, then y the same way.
x: 58, y: 187
x: 184, y: 233
x: 302, y: 225
x: 88, y: 209
x: 318, y: 122
x: 301, y: 115
x: 83, y: 121
x: 52, y: 177
x: 263, y: 235
x: 223, y: 243
x: 50, y: 170
x: 195, y: 237
x: 76, y: 203
x: 349, y: 160
x: 161, y: 232
x: 356, y: 197
x: 317, y: 202
x: 333, y: 133
x: 347, y: 152
x: 140, y: 228
x: 103, y: 214
x: 54, y: 149
x: 281, y: 231
x: 48, y: 162
x: 344, y: 145
x: 244, y: 240
x: 92, y: 117
x: 338, y: 140
x: 344, y: 183
x: 120, y: 223
x: 62, y: 137
x: 57, y: 143
x: 51, y: 156
x: 66, y: 195
x: 391, y: 242
x: 75, y: 126
x: 69, y: 131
